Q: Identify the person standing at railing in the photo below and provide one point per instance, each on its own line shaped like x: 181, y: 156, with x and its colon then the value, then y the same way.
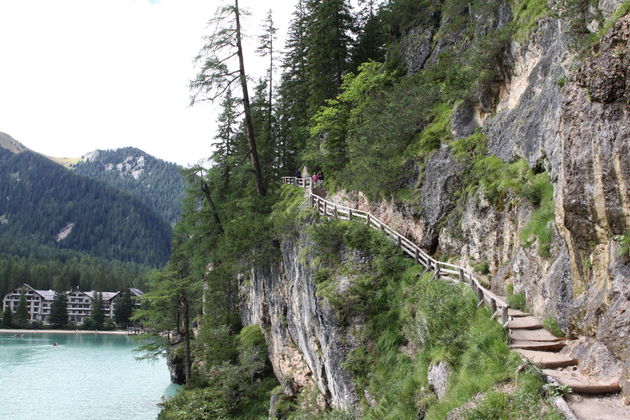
x: 320, y: 178
x: 314, y: 179
x: 298, y: 174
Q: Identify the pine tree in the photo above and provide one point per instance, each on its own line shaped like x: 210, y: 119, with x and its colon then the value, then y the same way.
x: 260, y: 117
x: 123, y: 309
x: 372, y: 35
x: 266, y: 49
x: 21, y: 314
x: 98, y: 315
x: 225, y: 154
x: 59, y: 311
x: 222, y: 66
x: 7, y: 318
x: 293, y: 93
x: 328, y: 42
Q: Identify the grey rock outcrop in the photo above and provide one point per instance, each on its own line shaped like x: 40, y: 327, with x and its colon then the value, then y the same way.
x: 438, y: 194
x: 529, y: 109
x: 175, y: 363
x: 438, y: 378
x: 571, y: 118
x: 307, y: 346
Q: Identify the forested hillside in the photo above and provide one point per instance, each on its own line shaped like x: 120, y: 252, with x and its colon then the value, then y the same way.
x: 491, y: 133
x: 48, y: 267
x: 45, y: 204
x: 157, y: 183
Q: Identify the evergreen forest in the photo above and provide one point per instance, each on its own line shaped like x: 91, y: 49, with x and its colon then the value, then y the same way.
x: 353, y: 103
x: 155, y: 182
x: 41, y: 199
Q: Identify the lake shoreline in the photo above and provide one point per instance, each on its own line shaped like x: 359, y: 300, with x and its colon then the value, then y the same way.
x: 15, y: 331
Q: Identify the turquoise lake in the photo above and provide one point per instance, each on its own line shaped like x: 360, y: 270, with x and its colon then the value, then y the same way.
x: 86, y: 376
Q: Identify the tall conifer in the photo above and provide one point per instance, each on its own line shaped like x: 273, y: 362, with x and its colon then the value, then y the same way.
x: 328, y: 45
x: 59, y: 311
x: 223, y: 65
x: 21, y: 313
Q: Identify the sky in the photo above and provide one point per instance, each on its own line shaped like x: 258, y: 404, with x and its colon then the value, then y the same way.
x: 81, y: 75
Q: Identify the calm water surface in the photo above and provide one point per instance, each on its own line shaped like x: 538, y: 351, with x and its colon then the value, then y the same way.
x: 86, y: 376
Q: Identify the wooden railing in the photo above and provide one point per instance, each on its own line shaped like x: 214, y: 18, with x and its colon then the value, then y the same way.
x: 297, y: 182
x: 443, y: 270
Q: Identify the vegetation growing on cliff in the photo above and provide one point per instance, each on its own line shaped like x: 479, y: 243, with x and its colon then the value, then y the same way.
x: 412, y: 321
x: 371, y: 126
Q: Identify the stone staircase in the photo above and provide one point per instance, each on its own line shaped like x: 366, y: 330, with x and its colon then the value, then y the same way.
x: 591, y: 399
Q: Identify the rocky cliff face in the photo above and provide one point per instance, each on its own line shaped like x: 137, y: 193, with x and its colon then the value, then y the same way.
x: 306, y: 345
x: 569, y: 116
x: 566, y: 115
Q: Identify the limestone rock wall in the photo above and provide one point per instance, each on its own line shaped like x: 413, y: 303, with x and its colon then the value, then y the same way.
x: 577, y: 130
x: 306, y: 345
x: 570, y: 116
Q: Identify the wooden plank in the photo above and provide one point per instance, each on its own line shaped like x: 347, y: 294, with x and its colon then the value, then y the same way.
x: 537, y: 345
x: 547, y: 359
x: 516, y: 313
x: 524, y: 323
x: 581, y: 384
x: 532, y: 335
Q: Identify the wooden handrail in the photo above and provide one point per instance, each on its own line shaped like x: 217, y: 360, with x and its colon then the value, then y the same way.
x: 497, y: 305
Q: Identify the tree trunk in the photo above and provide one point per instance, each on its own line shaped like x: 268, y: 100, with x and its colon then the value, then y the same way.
x: 249, y: 124
x: 187, y: 358
x: 206, y: 192
x: 269, y: 106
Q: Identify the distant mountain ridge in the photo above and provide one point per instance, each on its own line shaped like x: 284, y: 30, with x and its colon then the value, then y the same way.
x: 156, y: 182
x: 11, y: 144
x: 44, y: 203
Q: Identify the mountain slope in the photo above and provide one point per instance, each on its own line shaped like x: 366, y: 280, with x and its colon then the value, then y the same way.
x: 50, y: 205
x: 9, y: 143
x: 155, y: 182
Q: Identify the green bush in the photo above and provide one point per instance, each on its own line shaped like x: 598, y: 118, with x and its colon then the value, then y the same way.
x: 525, y: 402
x: 551, y: 324
x: 622, y: 10
x: 437, y: 132
x: 527, y: 13
x: 540, y: 225
x: 624, y: 246
x: 515, y: 300
x: 88, y: 324
x: 482, y: 268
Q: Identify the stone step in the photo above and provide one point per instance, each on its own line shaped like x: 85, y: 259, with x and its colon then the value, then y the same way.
x: 547, y: 359
x: 516, y: 313
x: 581, y: 384
x: 540, y: 334
x: 524, y: 323
x: 537, y: 345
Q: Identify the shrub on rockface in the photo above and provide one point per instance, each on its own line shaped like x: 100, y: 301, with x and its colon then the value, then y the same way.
x: 410, y: 321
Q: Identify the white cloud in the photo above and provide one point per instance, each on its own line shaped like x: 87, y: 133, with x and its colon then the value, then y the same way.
x: 77, y: 75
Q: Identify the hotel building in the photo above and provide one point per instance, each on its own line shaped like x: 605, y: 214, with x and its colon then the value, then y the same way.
x: 39, y: 302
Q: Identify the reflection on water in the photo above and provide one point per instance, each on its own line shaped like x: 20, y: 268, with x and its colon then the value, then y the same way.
x: 84, y: 376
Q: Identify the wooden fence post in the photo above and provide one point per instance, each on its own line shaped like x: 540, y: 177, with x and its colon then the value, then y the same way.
x: 504, y: 316
x: 399, y: 241
x: 493, y: 307
x: 336, y: 214
x: 461, y: 275
x: 479, y: 297
x: 325, y: 209
x: 416, y: 255
x: 368, y: 219
x: 350, y: 214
